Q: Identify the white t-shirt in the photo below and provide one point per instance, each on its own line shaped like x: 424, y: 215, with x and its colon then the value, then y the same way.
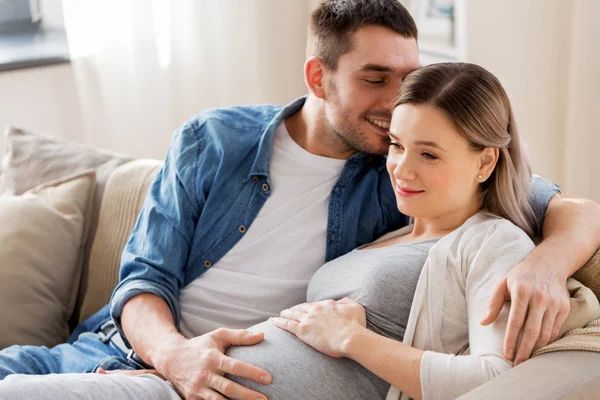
x: 268, y: 270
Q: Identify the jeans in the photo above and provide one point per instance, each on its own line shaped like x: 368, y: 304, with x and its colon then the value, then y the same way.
x: 85, y: 352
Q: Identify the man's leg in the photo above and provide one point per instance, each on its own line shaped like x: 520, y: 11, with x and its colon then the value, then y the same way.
x: 86, y: 386
x: 81, y: 356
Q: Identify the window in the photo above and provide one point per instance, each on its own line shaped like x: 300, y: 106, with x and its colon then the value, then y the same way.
x: 19, y: 16
x: 25, y: 39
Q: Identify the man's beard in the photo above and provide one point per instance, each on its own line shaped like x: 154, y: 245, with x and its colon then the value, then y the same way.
x: 350, y: 135
x: 348, y: 132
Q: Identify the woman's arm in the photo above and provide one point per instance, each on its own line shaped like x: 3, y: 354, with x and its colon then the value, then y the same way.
x: 338, y: 329
x: 396, y: 363
x: 487, y: 257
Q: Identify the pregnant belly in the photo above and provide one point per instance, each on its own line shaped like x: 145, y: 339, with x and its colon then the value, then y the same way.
x: 300, y: 372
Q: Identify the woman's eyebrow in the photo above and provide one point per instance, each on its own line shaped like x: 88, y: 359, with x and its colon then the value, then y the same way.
x: 430, y: 144
x: 419, y: 142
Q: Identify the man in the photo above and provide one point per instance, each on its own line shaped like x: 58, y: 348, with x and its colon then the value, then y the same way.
x: 252, y: 200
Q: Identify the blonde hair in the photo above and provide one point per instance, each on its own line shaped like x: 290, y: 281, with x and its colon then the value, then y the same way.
x: 476, y: 102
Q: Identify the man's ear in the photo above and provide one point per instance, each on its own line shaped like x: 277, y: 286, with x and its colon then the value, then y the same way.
x: 488, y: 161
x: 314, y: 72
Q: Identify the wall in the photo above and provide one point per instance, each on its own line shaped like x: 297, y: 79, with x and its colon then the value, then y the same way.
x: 41, y: 99
x: 581, y: 140
x: 519, y: 42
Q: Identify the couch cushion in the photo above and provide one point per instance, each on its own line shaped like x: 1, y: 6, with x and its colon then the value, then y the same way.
x: 32, y: 159
x: 125, y: 192
x: 589, y: 274
x: 42, y: 234
x: 549, y: 376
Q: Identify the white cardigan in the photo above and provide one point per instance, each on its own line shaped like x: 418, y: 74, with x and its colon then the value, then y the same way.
x: 451, y: 298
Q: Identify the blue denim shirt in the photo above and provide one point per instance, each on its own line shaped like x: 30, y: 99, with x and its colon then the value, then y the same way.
x: 216, y: 179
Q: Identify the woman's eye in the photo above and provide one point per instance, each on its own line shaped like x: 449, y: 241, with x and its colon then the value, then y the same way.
x: 396, y: 145
x: 429, y: 156
x: 374, y: 82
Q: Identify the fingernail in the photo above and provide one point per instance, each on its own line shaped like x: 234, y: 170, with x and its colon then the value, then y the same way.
x: 511, y: 354
x: 265, y: 379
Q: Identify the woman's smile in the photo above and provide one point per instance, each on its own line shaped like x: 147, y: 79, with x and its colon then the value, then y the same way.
x: 407, y: 192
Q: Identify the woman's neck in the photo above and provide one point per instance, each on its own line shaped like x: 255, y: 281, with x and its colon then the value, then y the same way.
x: 427, y: 228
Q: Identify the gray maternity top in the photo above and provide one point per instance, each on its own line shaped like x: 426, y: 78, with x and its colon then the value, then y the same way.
x: 383, y: 280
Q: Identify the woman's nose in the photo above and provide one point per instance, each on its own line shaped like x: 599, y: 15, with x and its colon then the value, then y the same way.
x: 404, y: 169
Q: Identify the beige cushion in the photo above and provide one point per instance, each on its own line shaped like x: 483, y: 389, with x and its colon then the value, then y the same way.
x: 32, y: 159
x: 41, y: 245
x: 125, y: 193
x: 589, y: 274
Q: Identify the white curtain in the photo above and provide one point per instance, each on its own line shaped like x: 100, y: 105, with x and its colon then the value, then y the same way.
x: 142, y: 67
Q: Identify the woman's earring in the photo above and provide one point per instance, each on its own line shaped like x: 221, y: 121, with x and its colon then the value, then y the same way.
x: 480, y: 176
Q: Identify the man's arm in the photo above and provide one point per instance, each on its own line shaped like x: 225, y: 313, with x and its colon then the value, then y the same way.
x: 537, y: 286
x: 145, y: 306
x: 196, y: 367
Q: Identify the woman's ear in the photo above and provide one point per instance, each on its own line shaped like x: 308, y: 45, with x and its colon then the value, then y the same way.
x: 487, y: 163
x: 314, y: 72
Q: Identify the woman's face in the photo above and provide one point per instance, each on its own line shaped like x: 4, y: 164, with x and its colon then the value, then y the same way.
x: 432, y: 168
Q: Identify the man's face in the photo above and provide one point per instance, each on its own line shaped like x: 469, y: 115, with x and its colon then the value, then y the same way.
x: 359, y: 94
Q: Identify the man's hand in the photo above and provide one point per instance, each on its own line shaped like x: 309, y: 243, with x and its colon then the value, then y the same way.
x: 539, y: 307
x: 196, y: 366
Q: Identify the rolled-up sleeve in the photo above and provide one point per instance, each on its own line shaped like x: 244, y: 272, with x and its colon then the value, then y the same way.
x: 156, y: 254
x: 542, y: 191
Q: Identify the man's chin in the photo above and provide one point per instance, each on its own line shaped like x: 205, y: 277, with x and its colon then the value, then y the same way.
x: 379, y: 149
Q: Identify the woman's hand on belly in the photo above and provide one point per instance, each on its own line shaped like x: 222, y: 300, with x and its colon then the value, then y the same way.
x: 327, y: 325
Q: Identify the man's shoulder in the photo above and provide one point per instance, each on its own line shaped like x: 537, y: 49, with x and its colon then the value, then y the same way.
x: 243, y: 117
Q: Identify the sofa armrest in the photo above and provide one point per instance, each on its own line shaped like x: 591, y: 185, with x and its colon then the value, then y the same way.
x: 125, y: 192
x: 558, y: 375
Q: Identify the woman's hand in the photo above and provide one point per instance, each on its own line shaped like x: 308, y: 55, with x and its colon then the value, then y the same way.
x: 326, y: 325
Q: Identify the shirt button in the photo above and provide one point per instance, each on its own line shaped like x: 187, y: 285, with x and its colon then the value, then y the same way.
x: 242, y: 228
x: 332, y: 237
x: 255, y: 179
x: 207, y: 263
x: 265, y: 187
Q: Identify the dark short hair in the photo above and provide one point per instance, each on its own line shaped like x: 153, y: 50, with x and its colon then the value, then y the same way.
x: 334, y: 21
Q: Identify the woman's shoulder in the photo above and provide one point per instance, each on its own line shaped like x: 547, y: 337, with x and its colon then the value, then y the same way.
x: 485, y: 226
x: 482, y: 235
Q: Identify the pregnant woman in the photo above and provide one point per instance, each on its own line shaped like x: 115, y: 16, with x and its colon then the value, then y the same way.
x: 401, y: 311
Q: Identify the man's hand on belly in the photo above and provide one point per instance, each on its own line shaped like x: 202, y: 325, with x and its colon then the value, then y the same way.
x: 197, y: 366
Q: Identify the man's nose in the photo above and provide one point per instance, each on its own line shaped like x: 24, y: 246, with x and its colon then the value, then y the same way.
x: 388, y: 96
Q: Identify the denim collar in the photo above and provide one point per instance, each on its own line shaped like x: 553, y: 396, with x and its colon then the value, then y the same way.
x: 265, y: 145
